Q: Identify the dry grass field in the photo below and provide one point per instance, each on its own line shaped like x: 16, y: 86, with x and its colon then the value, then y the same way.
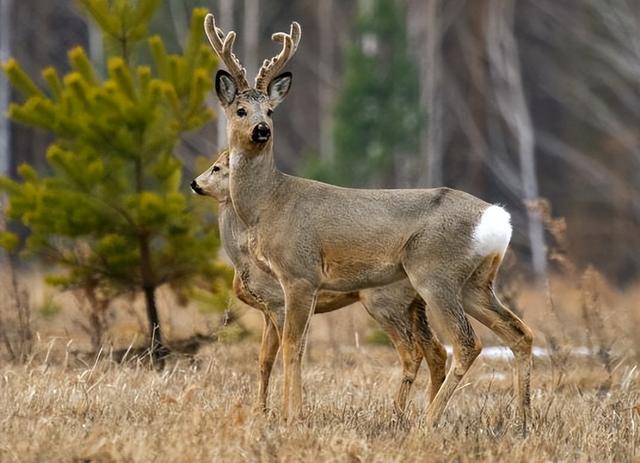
x: 60, y: 405
x: 200, y: 410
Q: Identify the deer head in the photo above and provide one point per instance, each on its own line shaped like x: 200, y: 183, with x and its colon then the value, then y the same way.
x: 248, y: 109
x: 215, y: 180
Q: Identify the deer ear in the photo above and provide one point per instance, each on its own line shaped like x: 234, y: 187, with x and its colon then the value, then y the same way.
x: 226, y: 87
x: 279, y: 87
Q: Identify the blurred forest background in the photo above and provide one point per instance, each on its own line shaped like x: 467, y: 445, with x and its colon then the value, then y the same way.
x: 508, y: 100
x: 513, y: 101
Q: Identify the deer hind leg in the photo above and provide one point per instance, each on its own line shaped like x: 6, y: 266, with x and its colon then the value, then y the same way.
x: 432, y: 349
x: 481, y: 302
x: 420, y: 343
x: 300, y: 301
x: 389, y: 308
x: 410, y: 359
x: 440, y: 290
x: 268, y: 352
x: 401, y: 314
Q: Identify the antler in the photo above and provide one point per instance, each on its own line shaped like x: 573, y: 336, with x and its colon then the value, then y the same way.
x: 272, y: 67
x: 223, y: 46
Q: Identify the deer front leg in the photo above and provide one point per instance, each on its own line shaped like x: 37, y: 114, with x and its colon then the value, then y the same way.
x: 268, y: 352
x: 300, y: 300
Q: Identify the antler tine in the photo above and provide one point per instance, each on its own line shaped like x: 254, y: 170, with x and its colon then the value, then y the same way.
x: 295, y: 35
x: 271, y: 67
x: 224, y: 50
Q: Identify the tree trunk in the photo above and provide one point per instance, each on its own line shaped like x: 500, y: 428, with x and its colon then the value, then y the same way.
x: 226, y: 24
x: 430, y: 68
x: 96, y: 46
x: 178, y: 13
x: 5, y: 53
x: 156, y: 347
x: 326, y: 78
x: 251, y: 35
x: 509, y: 92
x: 155, y: 334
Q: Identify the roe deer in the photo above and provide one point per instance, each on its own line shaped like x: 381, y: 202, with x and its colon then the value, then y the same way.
x: 313, y: 236
x: 396, y: 307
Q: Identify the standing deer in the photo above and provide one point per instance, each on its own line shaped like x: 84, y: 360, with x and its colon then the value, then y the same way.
x: 396, y: 307
x: 313, y: 236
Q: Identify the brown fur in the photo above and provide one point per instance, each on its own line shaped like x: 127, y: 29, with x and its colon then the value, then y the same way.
x: 315, y: 236
x: 396, y: 307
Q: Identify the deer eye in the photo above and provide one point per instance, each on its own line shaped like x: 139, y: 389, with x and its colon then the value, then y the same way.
x: 241, y: 112
x: 215, y: 169
x: 269, y: 112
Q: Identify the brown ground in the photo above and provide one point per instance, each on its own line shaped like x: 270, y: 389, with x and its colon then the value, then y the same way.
x: 201, y: 411
x: 60, y: 406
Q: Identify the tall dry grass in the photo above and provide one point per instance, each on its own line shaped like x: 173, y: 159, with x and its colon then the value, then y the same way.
x: 16, y: 320
x: 59, y: 405
x: 200, y: 410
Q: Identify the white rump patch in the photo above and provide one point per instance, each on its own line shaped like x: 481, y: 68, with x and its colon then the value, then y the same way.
x: 493, y: 233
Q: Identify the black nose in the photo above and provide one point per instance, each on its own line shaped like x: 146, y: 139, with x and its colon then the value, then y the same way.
x: 196, y: 188
x: 261, y: 133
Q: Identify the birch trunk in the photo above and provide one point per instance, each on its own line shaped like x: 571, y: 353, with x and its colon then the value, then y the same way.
x: 5, y: 53
x: 509, y: 93
x: 431, y: 95
x: 326, y: 78
x: 251, y: 28
x: 96, y: 46
x: 226, y: 23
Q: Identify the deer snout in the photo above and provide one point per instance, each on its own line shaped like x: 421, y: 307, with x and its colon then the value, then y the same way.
x: 196, y: 188
x: 261, y: 133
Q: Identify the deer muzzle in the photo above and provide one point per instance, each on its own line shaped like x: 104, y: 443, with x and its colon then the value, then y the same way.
x: 261, y: 133
x: 196, y: 188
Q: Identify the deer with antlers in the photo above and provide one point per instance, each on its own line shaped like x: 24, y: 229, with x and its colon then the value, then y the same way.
x: 313, y: 236
x: 396, y: 307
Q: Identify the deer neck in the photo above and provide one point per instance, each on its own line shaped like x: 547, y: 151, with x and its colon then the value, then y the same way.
x: 253, y: 180
x: 233, y: 234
